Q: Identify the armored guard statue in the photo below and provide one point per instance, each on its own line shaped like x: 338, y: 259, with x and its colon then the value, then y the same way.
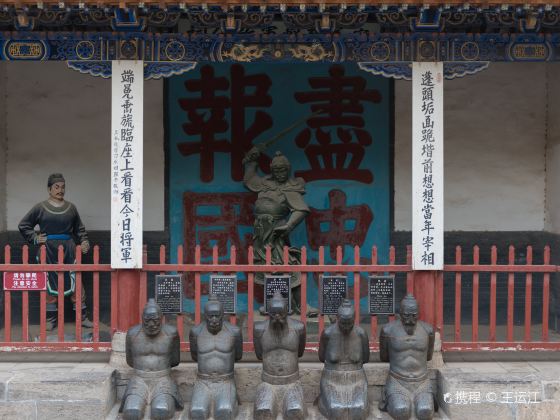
x: 279, y: 343
x: 279, y: 208
x: 344, y: 348
x: 152, y: 349
x: 59, y: 225
x: 216, y: 345
x: 407, y: 344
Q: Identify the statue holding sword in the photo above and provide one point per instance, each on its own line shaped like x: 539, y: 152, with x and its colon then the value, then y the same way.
x: 279, y: 208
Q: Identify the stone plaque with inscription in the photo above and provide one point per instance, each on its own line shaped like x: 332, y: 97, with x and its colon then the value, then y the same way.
x: 277, y: 282
x: 381, y: 295
x: 225, y: 290
x: 169, y: 293
x: 332, y: 291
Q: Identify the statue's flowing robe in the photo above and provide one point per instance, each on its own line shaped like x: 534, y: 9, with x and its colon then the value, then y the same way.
x: 63, y: 226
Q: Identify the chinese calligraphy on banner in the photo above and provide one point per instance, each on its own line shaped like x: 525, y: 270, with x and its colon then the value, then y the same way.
x: 126, y: 163
x: 427, y: 166
x: 218, y: 112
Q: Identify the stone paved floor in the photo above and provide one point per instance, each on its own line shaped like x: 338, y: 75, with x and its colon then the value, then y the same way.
x: 24, y: 376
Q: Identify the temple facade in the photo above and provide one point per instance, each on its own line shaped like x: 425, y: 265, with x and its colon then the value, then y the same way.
x: 424, y: 153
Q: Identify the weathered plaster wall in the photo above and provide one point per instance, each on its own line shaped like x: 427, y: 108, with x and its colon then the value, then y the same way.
x: 552, y: 220
x: 494, y: 150
x: 3, y: 147
x: 59, y: 120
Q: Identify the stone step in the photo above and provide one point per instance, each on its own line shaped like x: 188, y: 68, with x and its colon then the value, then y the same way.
x: 50, y: 409
x: 246, y: 413
x: 518, y: 394
x: 59, y: 385
x: 55, y: 391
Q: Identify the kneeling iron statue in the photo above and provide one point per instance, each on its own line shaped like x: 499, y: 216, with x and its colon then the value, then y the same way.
x: 152, y: 349
x: 407, y: 344
x: 215, y: 345
x: 344, y: 348
x: 279, y: 343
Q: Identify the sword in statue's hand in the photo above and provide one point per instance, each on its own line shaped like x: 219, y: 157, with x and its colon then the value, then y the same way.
x: 254, y: 153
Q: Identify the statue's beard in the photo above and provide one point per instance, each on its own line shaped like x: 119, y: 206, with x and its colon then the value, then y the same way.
x: 409, y: 328
x: 152, y: 332
x: 214, y: 329
x: 278, y: 323
x: 346, y: 330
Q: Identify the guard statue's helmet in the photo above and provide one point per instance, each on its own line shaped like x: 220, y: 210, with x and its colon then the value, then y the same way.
x: 280, y: 161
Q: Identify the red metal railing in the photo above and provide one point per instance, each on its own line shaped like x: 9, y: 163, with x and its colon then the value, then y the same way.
x: 249, y: 269
x: 42, y: 343
x: 486, y: 280
x: 526, y: 274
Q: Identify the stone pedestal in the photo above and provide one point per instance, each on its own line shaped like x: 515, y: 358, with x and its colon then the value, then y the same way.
x: 437, y: 358
x: 56, y: 391
x: 118, y: 351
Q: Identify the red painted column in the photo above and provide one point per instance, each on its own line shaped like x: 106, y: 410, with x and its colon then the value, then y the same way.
x: 425, y: 294
x: 128, y: 298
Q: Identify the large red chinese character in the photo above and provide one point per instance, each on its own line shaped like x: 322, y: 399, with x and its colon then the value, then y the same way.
x: 221, y: 219
x: 339, y: 97
x: 241, y: 136
x: 216, y: 219
x: 207, y: 119
x: 339, y: 224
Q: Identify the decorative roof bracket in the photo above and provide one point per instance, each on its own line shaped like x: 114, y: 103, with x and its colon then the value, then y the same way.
x: 400, y: 70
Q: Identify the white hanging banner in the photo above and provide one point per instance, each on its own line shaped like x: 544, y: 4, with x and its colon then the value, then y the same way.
x: 126, y: 163
x: 427, y: 166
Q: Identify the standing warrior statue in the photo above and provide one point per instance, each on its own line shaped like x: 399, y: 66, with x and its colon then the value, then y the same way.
x: 279, y: 208
x: 344, y: 348
x: 59, y: 225
x: 407, y: 344
x: 216, y: 345
x: 152, y: 349
x: 279, y: 343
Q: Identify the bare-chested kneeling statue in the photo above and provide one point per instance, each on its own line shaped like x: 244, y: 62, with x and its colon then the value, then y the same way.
x: 216, y: 345
x: 407, y: 344
x: 279, y: 343
x: 152, y: 349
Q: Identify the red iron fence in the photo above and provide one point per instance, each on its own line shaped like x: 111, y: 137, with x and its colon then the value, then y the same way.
x: 42, y: 343
x: 506, y: 279
x: 490, y: 283
x: 249, y: 269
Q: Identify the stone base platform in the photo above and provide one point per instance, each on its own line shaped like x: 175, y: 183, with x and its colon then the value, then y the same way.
x: 246, y: 413
x: 248, y: 376
x: 56, y: 390
x: 466, y: 390
x: 500, y: 390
